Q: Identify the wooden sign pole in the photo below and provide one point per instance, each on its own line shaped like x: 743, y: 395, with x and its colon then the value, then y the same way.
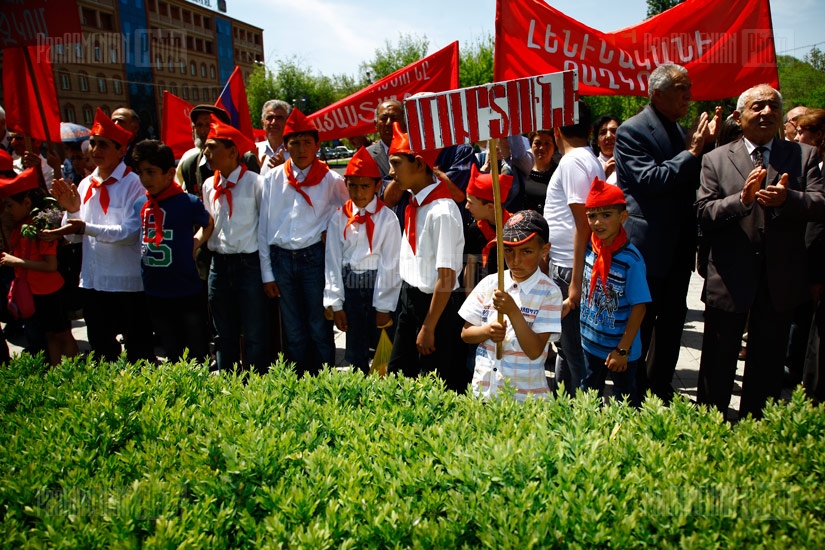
x: 493, y: 154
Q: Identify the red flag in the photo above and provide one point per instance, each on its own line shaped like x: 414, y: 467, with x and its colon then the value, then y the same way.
x: 176, y: 126
x: 726, y: 47
x: 28, y: 23
x: 233, y: 101
x: 31, y: 98
x: 355, y: 114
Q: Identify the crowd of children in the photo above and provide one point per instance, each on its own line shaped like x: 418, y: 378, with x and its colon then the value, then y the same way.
x: 329, y: 251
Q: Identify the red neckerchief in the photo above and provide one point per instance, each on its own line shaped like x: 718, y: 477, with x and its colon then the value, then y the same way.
x: 440, y: 192
x: 489, y: 233
x: 314, y: 177
x: 604, y: 255
x: 226, y: 189
x: 151, y: 208
x: 104, y: 192
x: 365, y: 218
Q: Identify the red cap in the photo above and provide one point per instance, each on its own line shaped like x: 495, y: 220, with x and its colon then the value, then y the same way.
x: 362, y: 164
x: 104, y: 126
x: 481, y: 185
x: 6, y: 162
x: 603, y: 194
x: 400, y: 145
x: 25, y: 180
x: 297, y: 122
x: 221, y: 130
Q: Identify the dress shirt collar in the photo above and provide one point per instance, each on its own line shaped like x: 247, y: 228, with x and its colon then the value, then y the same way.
x: 524, y: 286
x: 422, y: 195
x: 234, y: 176
x: 117, y: 173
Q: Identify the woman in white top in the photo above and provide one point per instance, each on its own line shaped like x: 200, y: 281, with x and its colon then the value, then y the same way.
x: 604, y: 140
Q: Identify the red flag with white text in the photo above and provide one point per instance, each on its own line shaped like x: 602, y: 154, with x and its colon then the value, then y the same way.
x: 355, y: 114
x: 30, y: 96
x: 176, y: 126
x: 233, y: 101
x: 726, y: 47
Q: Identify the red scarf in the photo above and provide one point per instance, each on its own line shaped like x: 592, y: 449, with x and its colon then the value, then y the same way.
x: 151, y: 208
x: 104, y: 192
x: 604, y: 255
x: 226, y: 189
x: 365, y: 218
x: 314, y: 177
x: 440, y: 192
x: 489, y: 233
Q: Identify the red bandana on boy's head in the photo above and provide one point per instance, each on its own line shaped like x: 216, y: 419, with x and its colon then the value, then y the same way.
x: 151, y: 209
x: 103, y: 126
x: 297, y: 123
x: 363, y: 164
x: 603, y: 195
x: 481, y: 185
x: 221, y: 130
x: 400, y: 145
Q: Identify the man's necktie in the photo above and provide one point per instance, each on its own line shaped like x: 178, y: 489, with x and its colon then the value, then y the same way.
x: 758, y: 157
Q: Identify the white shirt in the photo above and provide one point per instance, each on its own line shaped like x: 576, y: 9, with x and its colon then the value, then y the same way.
x: 612, y: 178
x: 48, y: 171
x: 237, y: 234
x: 570, y: 184
x: 439, y: 236
x: 287, y: 220
x: 111, y: 242
x: 354, y: 251
x: 264, y: 148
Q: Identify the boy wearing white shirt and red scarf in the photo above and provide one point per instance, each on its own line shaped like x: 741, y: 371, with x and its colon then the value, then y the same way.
x: 299, y: 198
x: 362, y: 251
x: 236, y: 296
x: 104, y: 211
x: 428, y: 336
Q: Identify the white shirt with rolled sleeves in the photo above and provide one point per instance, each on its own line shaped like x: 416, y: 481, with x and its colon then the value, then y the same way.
x: 237, y: 234
x: 354, y: 251
x: 439, y: 235
x: 287, y: 220
x: 264, y: 148
x: 111, y: 241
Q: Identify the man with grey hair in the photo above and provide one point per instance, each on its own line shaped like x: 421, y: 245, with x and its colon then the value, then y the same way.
x: 271, y: 151
x: 789, y: 121
x: 756, y: 198
x: 657, y: 164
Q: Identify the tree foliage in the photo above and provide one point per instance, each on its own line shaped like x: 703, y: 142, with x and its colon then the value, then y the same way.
x: 476, y: 62
x: 655, y: 7
x: 801, y: 83
x: 391, y: 57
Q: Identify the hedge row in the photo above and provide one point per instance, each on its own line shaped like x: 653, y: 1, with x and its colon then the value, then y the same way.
x: 115, y: 455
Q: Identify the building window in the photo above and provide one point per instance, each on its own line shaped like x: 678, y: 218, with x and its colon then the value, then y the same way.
x: 101, y: 83
x: 83, y: 80
x: 65, y: 81
x: 163, y: 9
x: 207, y: 47
x: 203, y: 70
x: 78, y: 50
x: 187, y: 16
x: 207, y: 23
x: 173, y: 88
x: 68, y: 113
x: 158, y: 63
x: 161, y: 86
x: 190, y: 43
x: 198, y: 20
x: 176, y: 13
x: 88, y: 17
x: 106, y: 21
x: 205, y: 92
x: 88, y: 115
x: 193, y: 69
x: 212, y: 72
x: 185, y: 92
x: 171, y: 65
x: 117, y: 85
x: 113, y: 55
x: 182, y: 65
x: 98, y: 53
x: 195, y: 94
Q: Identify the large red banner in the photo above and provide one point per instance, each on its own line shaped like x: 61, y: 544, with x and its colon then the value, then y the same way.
x: 355, y: 114
x: 493, y: 111
x: 27, y: 23
x: 30, y: 95
x: 726, y: 46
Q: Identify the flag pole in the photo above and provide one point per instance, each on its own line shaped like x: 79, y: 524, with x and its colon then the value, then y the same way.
x: 30, y: 68
x: 493, y: 155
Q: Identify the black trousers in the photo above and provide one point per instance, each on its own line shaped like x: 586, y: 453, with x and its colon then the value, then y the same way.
x: 450, y: 356
x: 767, y: 341
x: 108, y: 314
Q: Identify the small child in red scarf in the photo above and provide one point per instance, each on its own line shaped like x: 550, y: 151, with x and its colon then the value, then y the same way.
x: 170, y: 278
x: 614, y: 294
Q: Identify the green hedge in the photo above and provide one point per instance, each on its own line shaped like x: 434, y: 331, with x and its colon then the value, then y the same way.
x: 114, y: 455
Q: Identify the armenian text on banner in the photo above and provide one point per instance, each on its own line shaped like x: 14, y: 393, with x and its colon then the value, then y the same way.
x: 725, y: 46
x: 28, y: 23
x: 492, y: 111
x: 355, y: 114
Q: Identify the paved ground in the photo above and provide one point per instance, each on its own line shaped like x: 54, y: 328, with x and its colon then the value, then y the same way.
x: 684, y: 381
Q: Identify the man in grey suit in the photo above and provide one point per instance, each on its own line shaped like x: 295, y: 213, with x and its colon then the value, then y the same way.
x: 757, y: 195
x: 657, y: 163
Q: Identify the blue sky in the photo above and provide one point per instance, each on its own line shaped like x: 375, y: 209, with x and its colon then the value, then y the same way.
x: 335, y: 36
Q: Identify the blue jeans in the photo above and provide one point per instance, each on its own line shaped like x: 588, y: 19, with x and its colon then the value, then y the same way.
x: 359, y: 289
x: 624, y: 383
x: 300, y: 278
x: 570, y: 359
x: 239, y: 306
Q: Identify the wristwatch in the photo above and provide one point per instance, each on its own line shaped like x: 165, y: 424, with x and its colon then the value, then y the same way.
x: 622, y: 352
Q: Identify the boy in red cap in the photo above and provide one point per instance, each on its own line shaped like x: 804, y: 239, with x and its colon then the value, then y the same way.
x: 104, y: 212
x: 300, y: 197
x: 428, y: 334
x: 532, y: 304
x: 362, y: 251
x: 614, y: 295
x: 232, y: 196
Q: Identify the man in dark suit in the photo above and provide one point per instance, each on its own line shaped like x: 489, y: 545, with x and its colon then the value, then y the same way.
x: 757, y: 195
x: 657, y: 163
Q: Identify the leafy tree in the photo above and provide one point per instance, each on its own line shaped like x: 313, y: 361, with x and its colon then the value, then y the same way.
x: 801, y: 83
x: 390, y: 58
x: 655, y: 7
x: 259, y: 89
x: 476, y: 62
x: 816, y: 58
